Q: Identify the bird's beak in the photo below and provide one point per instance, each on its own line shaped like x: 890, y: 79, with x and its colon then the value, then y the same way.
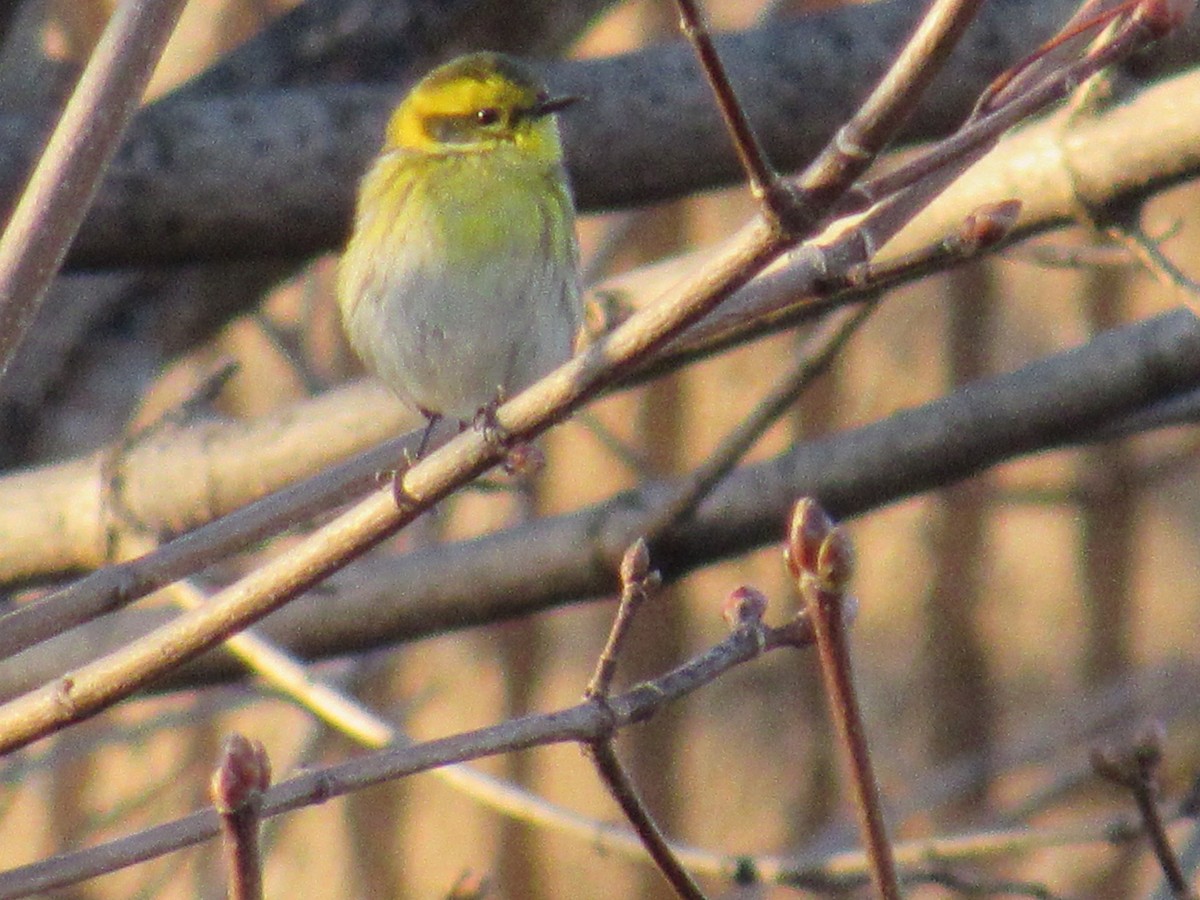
x: 554, y: 104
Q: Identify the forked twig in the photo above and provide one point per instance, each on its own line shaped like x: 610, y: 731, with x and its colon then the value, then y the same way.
x: 582, y: 723
x: 985, y: 229
x: 860, y: 140
x: 795, y: 209
x: 105, y: 681
x: 779, y: 203
x: 1136, y: 770
x: 638, y: 583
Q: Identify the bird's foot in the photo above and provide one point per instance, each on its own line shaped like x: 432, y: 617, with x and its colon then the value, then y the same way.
x: 410, y: 458
x: 486, y: 423
x: 523, y: 459
x: 520, y: 458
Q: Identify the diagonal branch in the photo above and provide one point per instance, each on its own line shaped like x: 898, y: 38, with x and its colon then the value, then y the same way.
x: 1077, y: 396
x: 67, y: 176
x: 581, y: 723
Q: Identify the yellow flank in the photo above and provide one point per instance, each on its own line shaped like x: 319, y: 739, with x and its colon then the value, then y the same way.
x: 458, y: 287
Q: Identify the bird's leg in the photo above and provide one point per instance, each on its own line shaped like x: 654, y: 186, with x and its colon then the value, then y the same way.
x: 401, y: 496
x: 431, y: 421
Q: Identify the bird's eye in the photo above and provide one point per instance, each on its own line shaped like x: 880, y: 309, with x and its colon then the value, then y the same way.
x: 487, y: 116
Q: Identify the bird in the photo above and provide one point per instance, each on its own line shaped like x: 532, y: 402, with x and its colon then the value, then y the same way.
x: 459, y: 284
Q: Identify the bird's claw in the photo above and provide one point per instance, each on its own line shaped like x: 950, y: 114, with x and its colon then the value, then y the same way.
x: 494, y: 434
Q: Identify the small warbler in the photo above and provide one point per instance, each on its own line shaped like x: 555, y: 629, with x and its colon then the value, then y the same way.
x: 459, y: 285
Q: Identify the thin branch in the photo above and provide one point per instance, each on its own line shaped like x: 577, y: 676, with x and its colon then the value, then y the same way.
x: 1136, y: 770
x: 242, y: 775
x: 1063, y: 400
x: 860, y: 140
x: 1189, y: 862
x: 67, y: 177
x: 638, y: 582
x: 821, y: 561
x: 620, y: 786
x: 1005, y: 111
x: 985, y: 228
x: 1149, y: 253
x: 765, y: 185
x: 812, y: 360
x: 582, y: 723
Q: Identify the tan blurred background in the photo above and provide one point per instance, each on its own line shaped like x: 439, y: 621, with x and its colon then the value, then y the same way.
x: 1006, y: 624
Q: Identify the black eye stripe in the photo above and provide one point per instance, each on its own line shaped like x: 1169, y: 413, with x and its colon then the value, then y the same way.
x: 489, y: 115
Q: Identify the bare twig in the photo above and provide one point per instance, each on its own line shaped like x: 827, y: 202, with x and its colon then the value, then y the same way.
x: 1136, y: 770
x: 986, y: 228
x: 820, y: 560
x: 796, y: 209
x: 1004, y: 111
x: 857, y: 142
x: 104, y: 682
x: 1149, y: 252
x: 619, y: 784
x: 582, y: 723
x: 1189, y: 862
x: 638, y: 581
x: 813, y: 359
x: 779, y: 203
x: 67, y: 176
x: 242, y: 775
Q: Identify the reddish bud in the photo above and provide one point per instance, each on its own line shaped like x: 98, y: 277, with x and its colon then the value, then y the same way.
x: 524, y: 460
x: 243, y: 772
x: 635, y: 565
x: 1163, y: 16
x: 744, y: 606
x: 470, y: 886
x: 835, y: 561
x: 809, y: 527
x: 988, y: 225
x: 1148, y: 748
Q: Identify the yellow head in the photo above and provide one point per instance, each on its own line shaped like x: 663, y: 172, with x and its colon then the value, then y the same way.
x: 477, y: 103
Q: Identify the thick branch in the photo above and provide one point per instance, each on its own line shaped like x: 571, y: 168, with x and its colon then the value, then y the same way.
x: 322, y: 41
x: 1045, y: 166
x: 1066, y: 399
x: 275, y: 171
